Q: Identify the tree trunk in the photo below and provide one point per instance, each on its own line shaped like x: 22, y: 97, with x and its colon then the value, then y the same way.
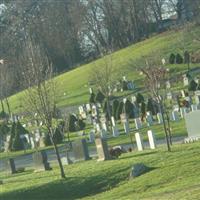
x: 8, y: 106
x: 165, y: 128
x: 169, y: 128
x: 62, y: 173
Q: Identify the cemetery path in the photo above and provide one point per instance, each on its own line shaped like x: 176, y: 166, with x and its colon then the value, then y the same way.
x: 26, y: 160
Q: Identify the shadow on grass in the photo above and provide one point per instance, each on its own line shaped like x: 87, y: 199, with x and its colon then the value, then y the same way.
x: 70, y: 188
x: 138, y: 155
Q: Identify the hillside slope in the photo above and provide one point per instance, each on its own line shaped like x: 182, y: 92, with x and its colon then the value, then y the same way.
x: 73, y: 86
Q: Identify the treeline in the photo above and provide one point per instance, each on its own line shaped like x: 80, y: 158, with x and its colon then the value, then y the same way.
x: 72, y: 32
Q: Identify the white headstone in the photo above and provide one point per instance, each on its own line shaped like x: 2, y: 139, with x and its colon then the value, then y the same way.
x: 149, y: 119
x: 168, y: 85
x: 139, y: 141
x: 113, y: 121
x: 138, y: 123
x: 151, y: 137
x: 159, y: 117
x: 194, y: 107
x: 175, y: 115
x: 183, y: 111
x: 185, y: 80
x: 126, y: 127
x: 92, y: 136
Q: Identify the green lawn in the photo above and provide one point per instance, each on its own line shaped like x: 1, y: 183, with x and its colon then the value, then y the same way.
x: 75, y: 83
x: 175, y: 175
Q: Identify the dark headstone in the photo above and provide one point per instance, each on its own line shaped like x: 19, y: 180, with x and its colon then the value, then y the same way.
x: 41, y: 161
x: 80, y: 150
x: 102, y: 149
x: 11, y: 166
x: 139, y: 169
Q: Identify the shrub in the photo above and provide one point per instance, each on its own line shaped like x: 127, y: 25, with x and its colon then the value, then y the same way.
x: 72, y: 123
x: 105, y: 110
x: 139, y: 98
x: 172, y: 58
x: 92, y: 98
x: 179, y: 59
x: 143, y: 108
x: 99, y: 97
x: 150, y: 106
x: 192, y: 86
x: 114, y: 108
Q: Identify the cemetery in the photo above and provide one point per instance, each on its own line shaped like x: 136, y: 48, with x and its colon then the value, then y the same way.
x: 125, y: 125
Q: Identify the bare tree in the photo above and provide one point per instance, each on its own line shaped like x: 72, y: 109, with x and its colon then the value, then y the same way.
x: 155, y: 77
x: 103, y: 77
x: 41, y: 92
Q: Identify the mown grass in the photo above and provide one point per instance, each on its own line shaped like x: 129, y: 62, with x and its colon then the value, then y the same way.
x: 75, y: 83
x: 175, y: 175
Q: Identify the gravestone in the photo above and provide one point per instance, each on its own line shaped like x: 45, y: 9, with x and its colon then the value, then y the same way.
x: 102, y: 149
x: 192, y: 120
x: 160, y: 118
x: 40, y: 161
x: 80, y: 150
x: 139, y: 141
x: 138, y: 123
x: 175, y: 116
x: 168, y: 85
x: 11, y: 166
x: 149, y: 119
x: 169, y: 95
x: 183, y: 111
x: 92, y: 136
x: 125, y: 123
x: 185, y: 80
x: 115, y: 131
x: 194, y: 107
x: 113, y: 121
x: 197, y: 97
x: 66, y: 160
x: 151, y: 137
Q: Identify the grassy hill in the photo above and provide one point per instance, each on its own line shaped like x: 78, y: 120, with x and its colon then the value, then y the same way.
x: 75, y: 83
x: 175, y: 175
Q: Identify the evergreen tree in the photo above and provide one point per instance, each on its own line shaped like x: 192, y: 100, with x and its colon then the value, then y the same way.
x: 186, y: 57
x: 139, y: 98
x: 172, y: 58
x: 129, y: 109
x: 99, y: 97
x: 12, y: 135
x: 120, y: 110
x: 17, y: 142
x: 47, y: 140
x: 150, y: 106
x: 81, y: 124
x: 4, y: 129
x: 57, y: 136
x: 72, y: 123
x: 124, y: 85
x: 114, y: 108
x: 92, y: 98
x: 192, y: 86
x: 179, y: 59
